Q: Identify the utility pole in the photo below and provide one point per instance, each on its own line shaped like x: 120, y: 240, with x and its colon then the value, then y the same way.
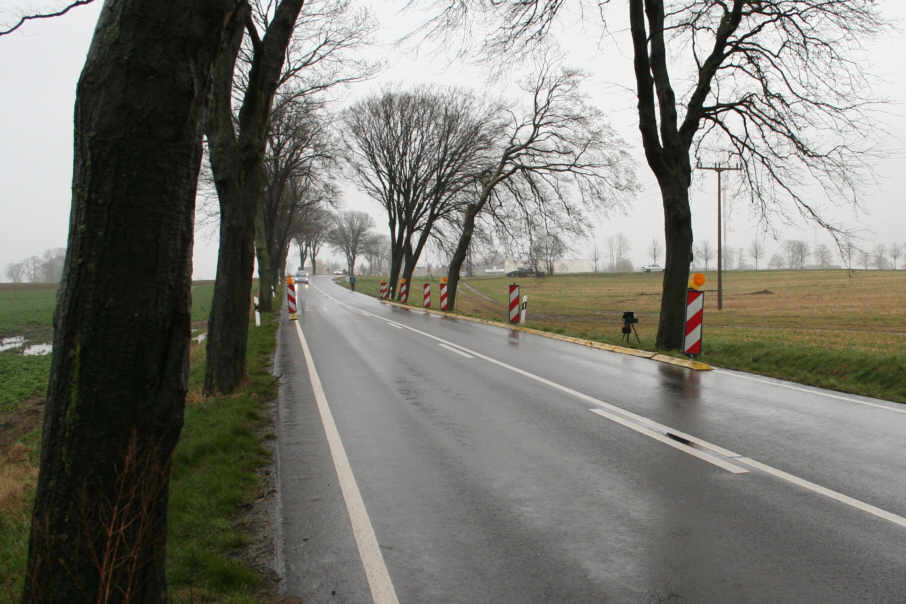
x: 719, y: 168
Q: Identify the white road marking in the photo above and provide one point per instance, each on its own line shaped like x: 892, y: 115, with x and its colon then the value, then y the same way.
x: 817, y: 488
x: 382, y: 590
x: 624, y: 417
x: 457, y: 351
x: 839, y: 397
x: 713, y: 459
x: 391, y: 324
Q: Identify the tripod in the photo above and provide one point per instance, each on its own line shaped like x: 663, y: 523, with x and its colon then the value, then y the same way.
x: 629, y: 321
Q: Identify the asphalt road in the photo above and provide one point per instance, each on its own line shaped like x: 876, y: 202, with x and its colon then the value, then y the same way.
x: 499, y: 466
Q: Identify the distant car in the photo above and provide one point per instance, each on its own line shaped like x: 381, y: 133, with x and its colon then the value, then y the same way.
x: 652, y: 268
x: 525, y: 272
x: 302, y: 277
x: 339, y: 272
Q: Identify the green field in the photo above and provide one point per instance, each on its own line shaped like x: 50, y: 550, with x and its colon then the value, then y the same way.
x: 816, y: 327
x: 213, y: 466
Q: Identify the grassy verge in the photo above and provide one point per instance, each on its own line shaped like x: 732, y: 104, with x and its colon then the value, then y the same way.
x: 213, y: 476
x: 824, y: 328
x: 213, y: 467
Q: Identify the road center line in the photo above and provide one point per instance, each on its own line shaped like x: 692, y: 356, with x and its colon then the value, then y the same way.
x: 653, y: 426
x: 382, y: 590
x: 457, y: 351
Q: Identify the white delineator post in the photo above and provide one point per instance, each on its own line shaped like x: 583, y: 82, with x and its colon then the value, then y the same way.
x: 427, y: 296
x: 522, y: 309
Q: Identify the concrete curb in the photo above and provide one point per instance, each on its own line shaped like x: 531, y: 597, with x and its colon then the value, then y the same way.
x: 645, y: 354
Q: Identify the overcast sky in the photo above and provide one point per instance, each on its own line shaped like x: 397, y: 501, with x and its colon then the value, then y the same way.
x: 40, y: 65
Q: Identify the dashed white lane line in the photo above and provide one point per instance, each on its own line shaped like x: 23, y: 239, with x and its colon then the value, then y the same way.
x: 382, y: 591
x: 457, y: 351
x: 656, y: 430
x: 712, y: 459
x: 839, y: 397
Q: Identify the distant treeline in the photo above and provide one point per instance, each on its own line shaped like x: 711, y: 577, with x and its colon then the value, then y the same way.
x: 46, y: 268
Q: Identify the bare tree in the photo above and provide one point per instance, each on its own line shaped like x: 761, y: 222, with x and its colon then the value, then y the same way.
x: 414, y: 152
x: 705, y: 251
x: 313, y: 224
x: 556, y: 158
x: 350, y: 236
x: 847, y: 253
x: 773, y: 81
x: 880, y: 256
x: 15, y: 272
x: 895, y: 252
x: 297, y: 166
x: 822, y: 254
x: 777, y: 261
x: 756, y: 249
x: 595, y: 256
x: 796, y: 253
x: 655, y: 250
x: 116, y: 395
x: 865, y: 258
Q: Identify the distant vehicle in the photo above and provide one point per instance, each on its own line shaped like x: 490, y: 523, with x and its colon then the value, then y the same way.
x: 525, y: 272
x: 339, y: 272
x: 302, y: 277
x: 652, y: 268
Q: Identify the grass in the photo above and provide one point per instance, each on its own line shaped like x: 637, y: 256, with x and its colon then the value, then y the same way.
x: 815, y: 327
x: 213, y: 466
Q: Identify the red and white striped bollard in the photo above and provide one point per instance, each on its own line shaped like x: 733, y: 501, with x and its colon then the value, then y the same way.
x: 443, y: 293
x: 514, y: 303
x: 291, y: 298
x: 695, y: 303
x: 383, y: 290
x: 427, y: 296
x: 404, y: 291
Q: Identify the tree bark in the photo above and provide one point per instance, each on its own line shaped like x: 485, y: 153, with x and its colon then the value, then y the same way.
x: 678, y: 256
x: 266, y: 276
x: 239, y: 173
x: 459, y: 256
x: 119, y: 372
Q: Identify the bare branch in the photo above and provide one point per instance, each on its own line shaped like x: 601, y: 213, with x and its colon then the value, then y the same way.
x: 58, y: 13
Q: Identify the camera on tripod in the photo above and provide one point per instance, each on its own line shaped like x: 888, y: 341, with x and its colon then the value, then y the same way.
x: 629, y: 322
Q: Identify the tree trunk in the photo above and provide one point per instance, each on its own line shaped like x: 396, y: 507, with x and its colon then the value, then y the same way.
x: 462, y: 249
x: 119, y: 372
x: 229, y: 318
x: 678, y: 236
x: 236, y: 160
x: 266, y: 274
x: 396, y: 262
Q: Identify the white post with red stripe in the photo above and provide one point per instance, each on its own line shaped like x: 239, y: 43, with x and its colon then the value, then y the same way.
x: 695, y: 303
x: 404, y: 291
x: 427, y: 295
x: 291, y: 298
x: 384, y: 290
x: 443, y: 293
x: 514, y: 303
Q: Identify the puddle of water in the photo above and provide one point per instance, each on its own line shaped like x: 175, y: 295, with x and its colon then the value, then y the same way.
x: 13, y: 342
x: 37, y: 350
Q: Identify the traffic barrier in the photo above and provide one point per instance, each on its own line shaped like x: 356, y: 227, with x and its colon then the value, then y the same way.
x: 514, y: 303
x: 384, y: 290
x: 291, y: 298
x: 404, y: 291
x: 695, y: 303
x: 427, y: 290
x: 443, y: 293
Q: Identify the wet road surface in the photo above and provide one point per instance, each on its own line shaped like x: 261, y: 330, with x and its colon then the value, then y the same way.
x: 499, y: 466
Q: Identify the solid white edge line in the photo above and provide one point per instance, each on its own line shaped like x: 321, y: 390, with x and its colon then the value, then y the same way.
x: 781, y: 384
x: 669, y: 441
x: 625, y: 415
x: 817, y: 488
x: 457, y: 351
x: 379, y: 582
